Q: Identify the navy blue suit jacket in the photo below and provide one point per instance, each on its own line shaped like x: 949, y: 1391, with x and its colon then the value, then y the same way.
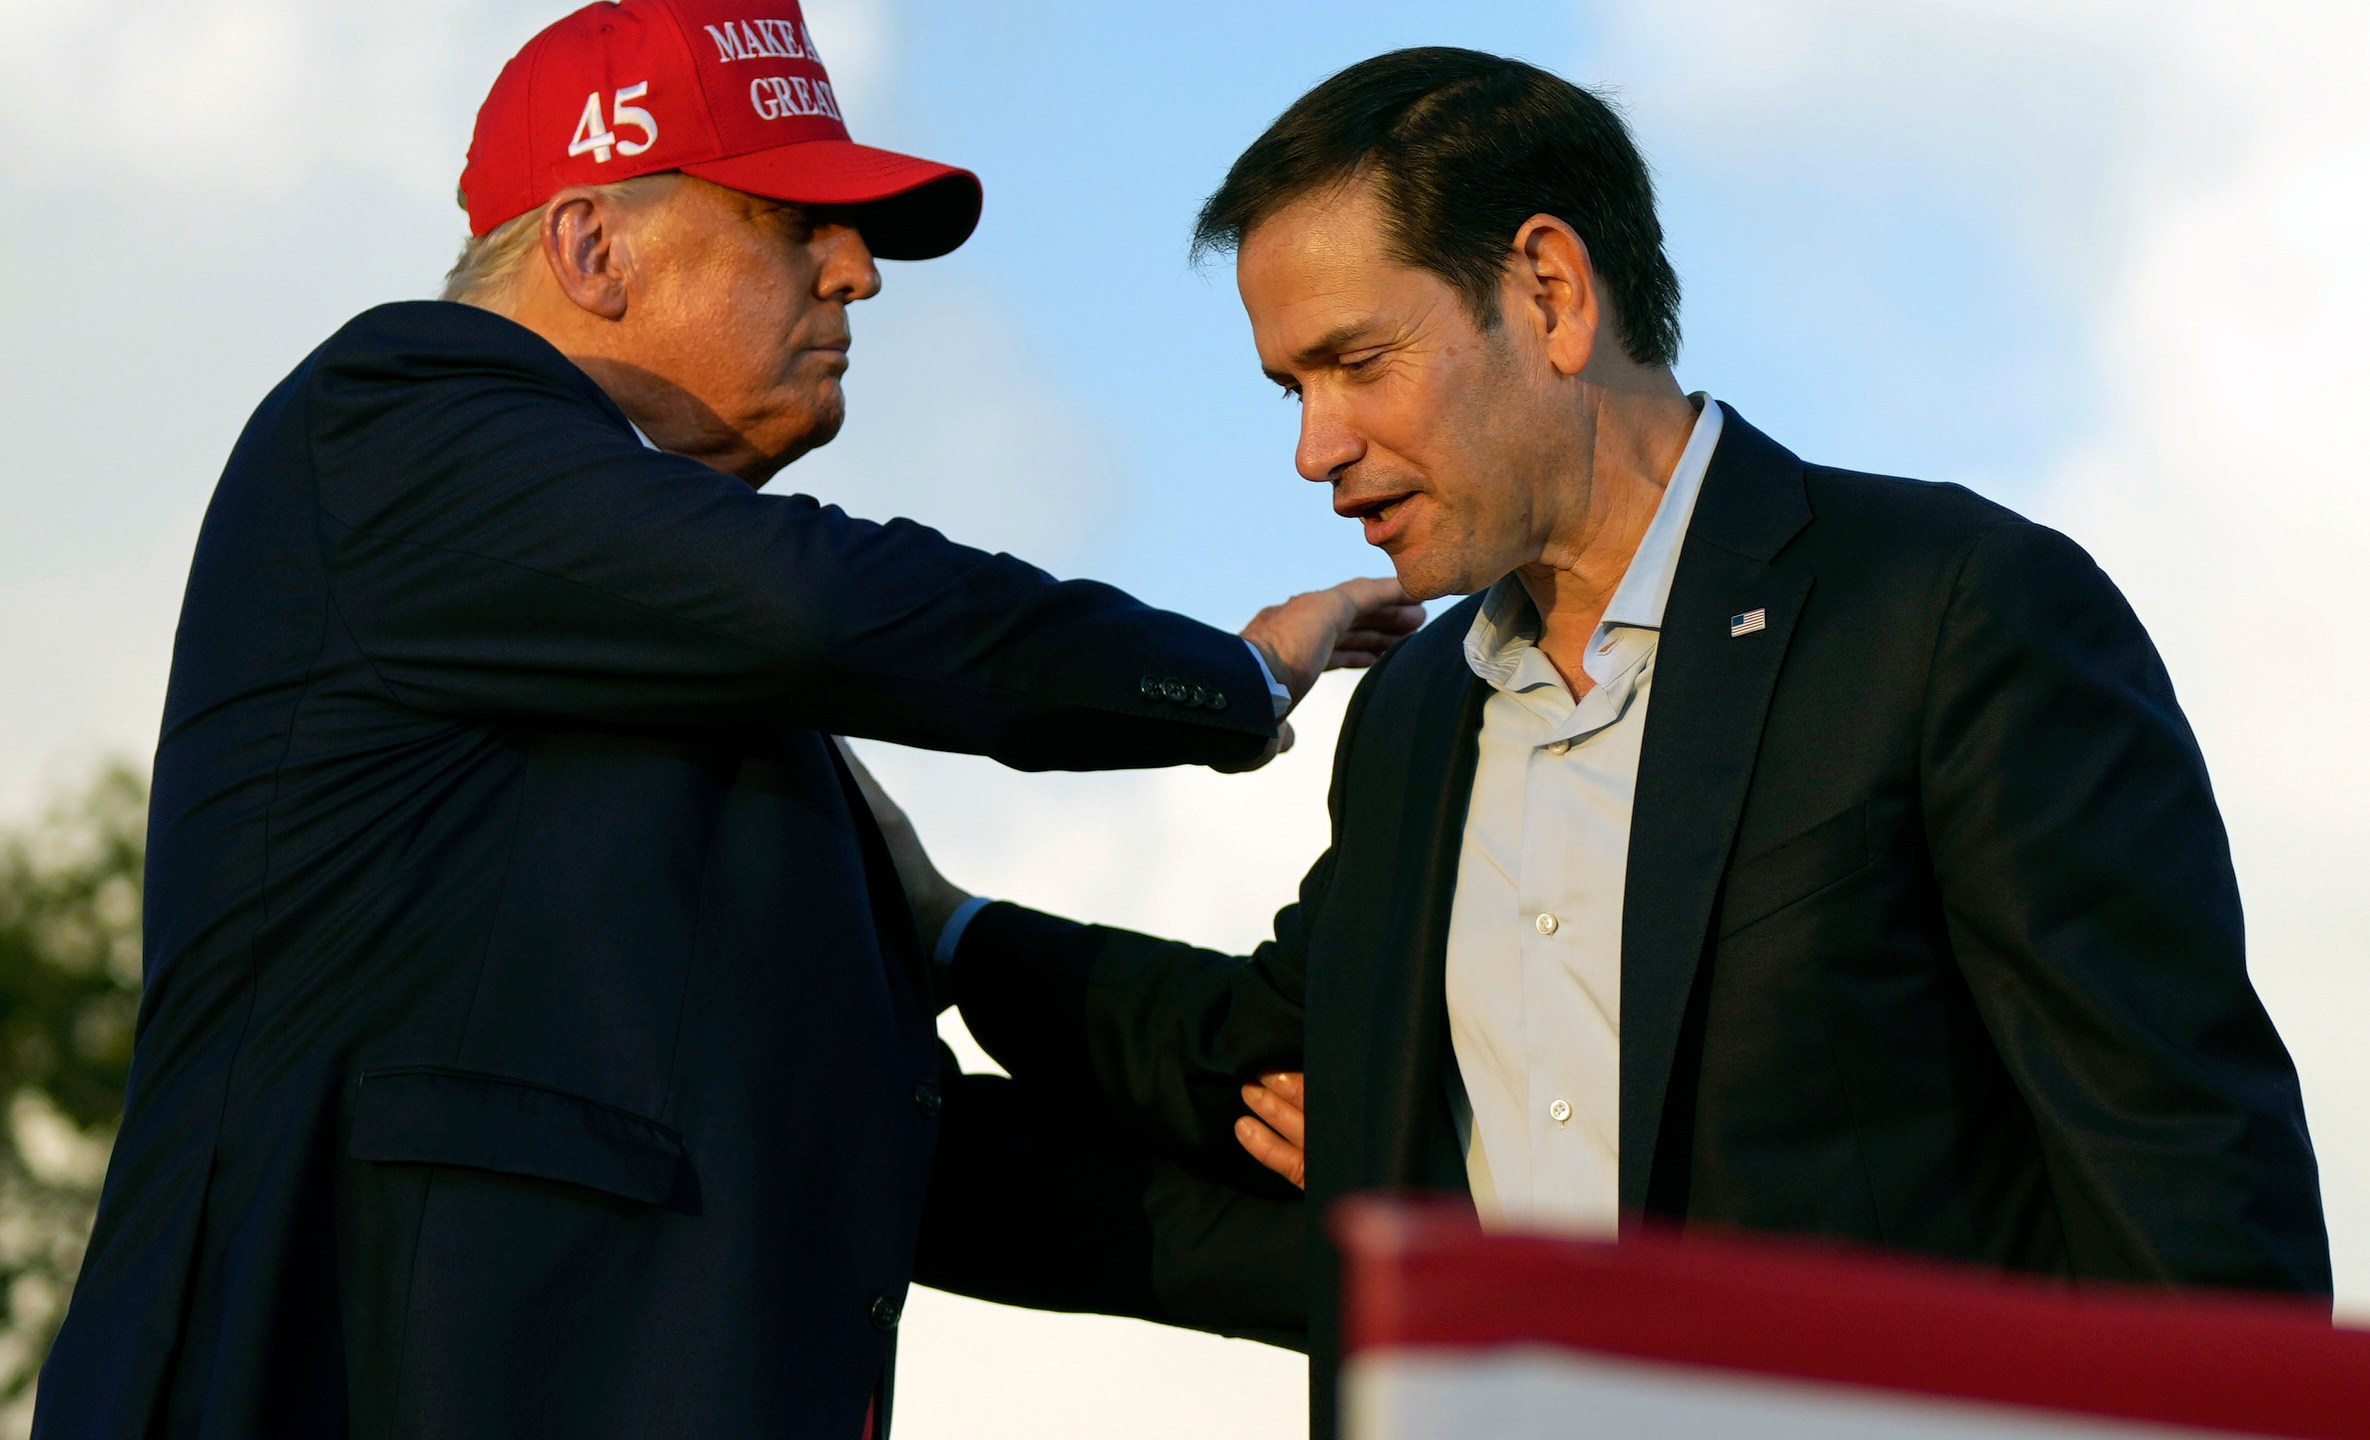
x: 535, y: 1042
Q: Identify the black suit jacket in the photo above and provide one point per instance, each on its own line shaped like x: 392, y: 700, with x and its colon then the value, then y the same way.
x: 535, y: 1041
x: 1930, y: 941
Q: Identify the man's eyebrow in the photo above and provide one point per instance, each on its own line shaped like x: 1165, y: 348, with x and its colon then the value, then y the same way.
x: 1333, y: 341
x: 1324, y: 347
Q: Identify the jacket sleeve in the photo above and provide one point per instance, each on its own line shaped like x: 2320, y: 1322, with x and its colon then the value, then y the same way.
x: 1161, y: 1033
x: 1027, y: 1208
x: 499, y: 545
x: 2087, y: 885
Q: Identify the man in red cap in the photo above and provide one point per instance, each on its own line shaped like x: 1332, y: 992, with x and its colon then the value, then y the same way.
x: 535, y: 1041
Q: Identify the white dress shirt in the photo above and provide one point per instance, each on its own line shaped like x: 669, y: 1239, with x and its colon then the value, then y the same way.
x: 1534, y: 935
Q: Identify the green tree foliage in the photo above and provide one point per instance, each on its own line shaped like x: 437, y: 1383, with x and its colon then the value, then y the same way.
x: 69, y: 993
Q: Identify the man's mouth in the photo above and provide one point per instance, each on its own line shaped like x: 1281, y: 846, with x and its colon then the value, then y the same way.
x: 1380, y: 516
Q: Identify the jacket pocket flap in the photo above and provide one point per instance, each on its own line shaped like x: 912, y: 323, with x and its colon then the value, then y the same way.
x: 428, y: 1116
x: 1794, y: 869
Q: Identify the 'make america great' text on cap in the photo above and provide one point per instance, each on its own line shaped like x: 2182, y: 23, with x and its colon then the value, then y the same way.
x: 731, y: 91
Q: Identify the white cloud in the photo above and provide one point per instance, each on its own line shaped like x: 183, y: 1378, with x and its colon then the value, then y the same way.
x: 219, y: 101
x: 224, y: 100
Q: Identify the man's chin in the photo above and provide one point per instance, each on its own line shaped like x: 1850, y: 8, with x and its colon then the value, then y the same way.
x: 1422, y: 581
x: 1426, y: 574
x: 820, y: 428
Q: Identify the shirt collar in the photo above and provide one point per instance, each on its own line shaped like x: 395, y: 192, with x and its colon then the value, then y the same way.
x: 1502, y: 636
x: 1503, y: 633
x: 1646, y: 585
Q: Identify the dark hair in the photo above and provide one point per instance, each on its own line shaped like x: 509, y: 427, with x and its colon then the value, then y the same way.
x: 1464, y: 147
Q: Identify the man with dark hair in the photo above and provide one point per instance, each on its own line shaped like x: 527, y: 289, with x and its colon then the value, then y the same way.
x: 1460, y: 149
x: 1761, y: 845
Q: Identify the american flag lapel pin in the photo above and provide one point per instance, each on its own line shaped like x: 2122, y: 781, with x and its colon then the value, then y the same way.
x: 1747, y: 623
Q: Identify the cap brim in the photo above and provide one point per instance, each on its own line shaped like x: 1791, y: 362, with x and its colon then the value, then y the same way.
x: 914, y: 209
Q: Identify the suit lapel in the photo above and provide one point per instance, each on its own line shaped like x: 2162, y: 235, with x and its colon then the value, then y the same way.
x: 1703, y: 733
x: 1433, y: 759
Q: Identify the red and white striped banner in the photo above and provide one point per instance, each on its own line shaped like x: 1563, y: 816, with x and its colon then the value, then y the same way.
x: 1453, y: 1334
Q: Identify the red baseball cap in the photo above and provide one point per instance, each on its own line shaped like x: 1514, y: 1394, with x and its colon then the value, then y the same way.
x: 731, y: 91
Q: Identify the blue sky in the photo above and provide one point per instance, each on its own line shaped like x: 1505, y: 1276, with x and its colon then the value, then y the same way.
x: 1851, y: 305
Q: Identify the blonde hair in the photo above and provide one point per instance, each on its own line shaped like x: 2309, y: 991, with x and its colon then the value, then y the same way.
x: 490, y: 263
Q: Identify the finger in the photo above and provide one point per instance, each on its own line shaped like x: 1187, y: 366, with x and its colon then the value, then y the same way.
x: 1378, y: 641
x: 1284, y: 737
x: 1359, y: 654
x: 1271, y: 1150
x: 1381, y: 632
x: 1289, y: 1089
x: 1291, y: 1084
x: 1282, y: 1115
x: 1370, y: 637
x: 1391, y: 619
x: 1373, y: 593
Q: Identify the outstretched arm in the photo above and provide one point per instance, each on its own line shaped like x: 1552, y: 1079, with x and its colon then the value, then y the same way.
x: 499, y: 546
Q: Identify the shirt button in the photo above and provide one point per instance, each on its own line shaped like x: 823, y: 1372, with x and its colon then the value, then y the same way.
x: 927, y: 1100
x: 1558, y: 747
x: 885, y: 1311
x: 1546, y: 925
x: 1149, y: 688
x: 1173, y: 690
x: 1560, y: 1111
x: 1217, y: 699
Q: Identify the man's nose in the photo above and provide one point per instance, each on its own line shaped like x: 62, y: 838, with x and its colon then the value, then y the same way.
x: 847, y: 273
x: 1327, y: 446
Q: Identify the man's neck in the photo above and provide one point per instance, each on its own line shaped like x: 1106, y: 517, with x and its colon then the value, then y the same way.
x: 669, y: 417
x: 1638, y: 441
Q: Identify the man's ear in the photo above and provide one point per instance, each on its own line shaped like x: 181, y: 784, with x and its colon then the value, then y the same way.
x: 585, y: 247
x: 1556, y: 290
